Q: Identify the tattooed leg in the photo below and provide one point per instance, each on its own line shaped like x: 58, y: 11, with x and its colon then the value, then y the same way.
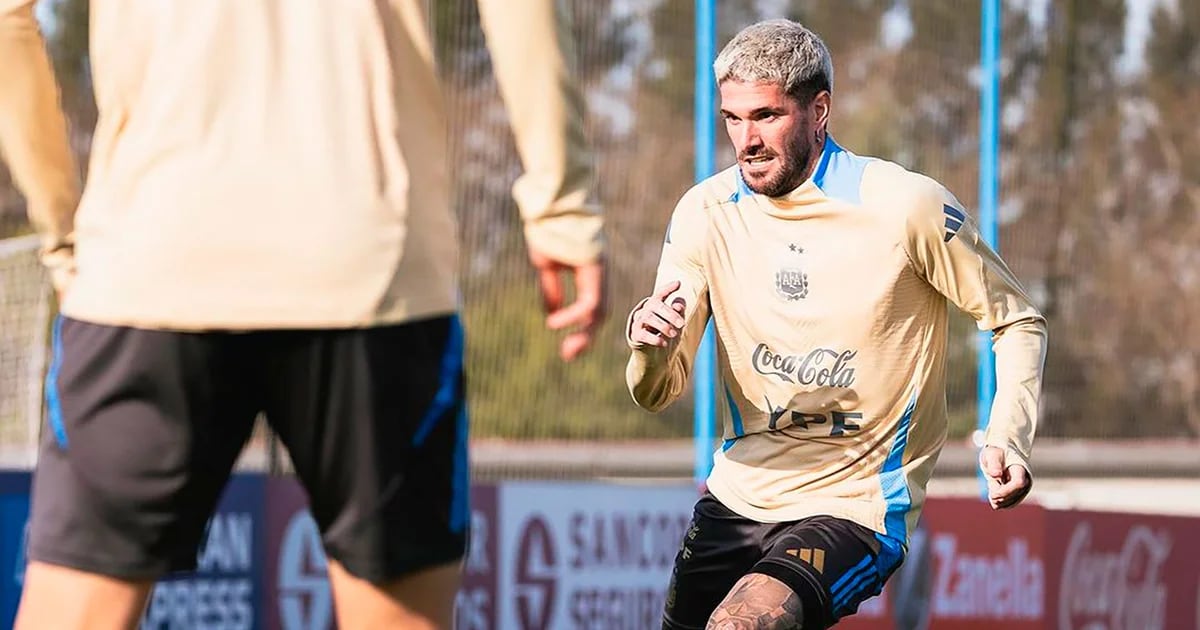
x: 758, y: 602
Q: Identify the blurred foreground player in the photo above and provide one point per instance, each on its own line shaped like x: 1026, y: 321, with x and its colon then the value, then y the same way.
x: 267, y: 226
x: 828, y: 276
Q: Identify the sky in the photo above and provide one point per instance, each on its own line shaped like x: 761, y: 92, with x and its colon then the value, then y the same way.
x: 1137, y: 29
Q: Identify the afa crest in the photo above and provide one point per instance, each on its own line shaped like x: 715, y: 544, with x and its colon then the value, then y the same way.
x: 791, y: 283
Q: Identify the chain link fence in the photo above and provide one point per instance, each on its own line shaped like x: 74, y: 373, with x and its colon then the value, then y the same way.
x: 1099, y: 195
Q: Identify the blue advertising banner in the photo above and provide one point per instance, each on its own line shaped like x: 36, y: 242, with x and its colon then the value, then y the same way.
x: 14, y: 514
x: 226, y: 587
x: 224, y: 592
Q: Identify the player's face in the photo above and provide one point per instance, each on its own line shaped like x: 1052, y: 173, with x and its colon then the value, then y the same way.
x: 774, y: 134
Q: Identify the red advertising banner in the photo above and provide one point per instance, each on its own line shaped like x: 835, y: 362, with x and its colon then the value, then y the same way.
x: 989, y: 568
x: 1123, y: 572
x: 971, y: 567
x: 967, y: 567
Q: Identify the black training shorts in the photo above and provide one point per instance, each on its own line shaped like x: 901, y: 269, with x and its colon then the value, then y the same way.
x: 832, y: 564
x: 145, y: 427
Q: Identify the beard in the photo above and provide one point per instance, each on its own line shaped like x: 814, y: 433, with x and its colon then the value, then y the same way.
x: 790, y: 171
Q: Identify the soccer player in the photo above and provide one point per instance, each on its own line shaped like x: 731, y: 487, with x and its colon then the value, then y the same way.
x: 267, y: 226
x: 828, y: 277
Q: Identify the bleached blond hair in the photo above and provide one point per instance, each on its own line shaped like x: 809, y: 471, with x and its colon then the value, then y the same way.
x: 779, y: 52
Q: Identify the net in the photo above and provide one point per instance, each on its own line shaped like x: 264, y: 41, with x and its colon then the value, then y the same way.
x: 25, y: 309
x: 636, y: 66
x: 1099, y: 190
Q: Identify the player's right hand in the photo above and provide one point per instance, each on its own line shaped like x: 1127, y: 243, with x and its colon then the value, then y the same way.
x: 656, y: 323
x: 1007, y: 485
x: 582, y: 317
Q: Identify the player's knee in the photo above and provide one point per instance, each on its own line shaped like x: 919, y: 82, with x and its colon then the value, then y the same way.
x: 423, y: 599
x: 61, y: 597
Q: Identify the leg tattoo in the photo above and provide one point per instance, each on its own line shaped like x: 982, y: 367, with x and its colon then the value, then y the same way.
x: 758, y: 602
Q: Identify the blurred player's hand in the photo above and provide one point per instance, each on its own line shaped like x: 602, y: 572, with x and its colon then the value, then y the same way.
x: 655, y: 323
x: 1007, y: 485
x: 582, y: 316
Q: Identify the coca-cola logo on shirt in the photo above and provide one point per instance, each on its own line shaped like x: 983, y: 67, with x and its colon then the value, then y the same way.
x: 1114, y: 589
x: 823, y: 367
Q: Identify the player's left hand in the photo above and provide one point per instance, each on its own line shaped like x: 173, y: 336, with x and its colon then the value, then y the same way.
x: 1007, y: 485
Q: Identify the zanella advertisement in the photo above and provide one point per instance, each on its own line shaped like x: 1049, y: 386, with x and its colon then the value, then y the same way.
x: 967, y: 567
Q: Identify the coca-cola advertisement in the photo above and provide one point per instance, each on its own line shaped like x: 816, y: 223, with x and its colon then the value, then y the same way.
x: 1123, y: 572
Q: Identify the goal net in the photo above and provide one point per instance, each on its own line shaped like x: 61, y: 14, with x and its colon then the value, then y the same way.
x: 25, y: 321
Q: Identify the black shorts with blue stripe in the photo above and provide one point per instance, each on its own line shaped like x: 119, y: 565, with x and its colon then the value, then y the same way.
x: 145, y: 427
x: 832, y: 564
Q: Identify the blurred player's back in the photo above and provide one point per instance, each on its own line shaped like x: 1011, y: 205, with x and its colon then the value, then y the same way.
x: 302, y: 143
x: 276, y: 168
